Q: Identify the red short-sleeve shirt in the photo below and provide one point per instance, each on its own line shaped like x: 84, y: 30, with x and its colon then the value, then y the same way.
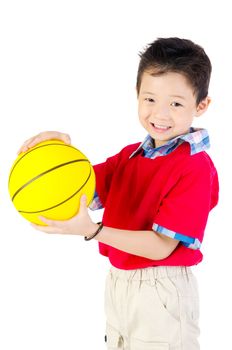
x: 170, y: 194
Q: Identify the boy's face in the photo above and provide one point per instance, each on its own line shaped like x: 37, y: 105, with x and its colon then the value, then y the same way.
x: 167, y: 106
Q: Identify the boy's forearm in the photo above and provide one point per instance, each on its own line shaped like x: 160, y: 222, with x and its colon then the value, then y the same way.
x: 148, y: 244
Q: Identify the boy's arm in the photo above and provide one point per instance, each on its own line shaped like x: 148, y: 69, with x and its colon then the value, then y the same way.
x: 148, y: 244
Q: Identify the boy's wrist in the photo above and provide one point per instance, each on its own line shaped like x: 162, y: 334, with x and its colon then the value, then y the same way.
x: 94, y: 231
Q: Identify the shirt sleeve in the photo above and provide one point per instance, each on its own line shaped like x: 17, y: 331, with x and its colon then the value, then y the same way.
x: 184, y: 211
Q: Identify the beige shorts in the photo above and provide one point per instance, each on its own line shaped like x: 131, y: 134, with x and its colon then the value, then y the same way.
x: 155, y: 308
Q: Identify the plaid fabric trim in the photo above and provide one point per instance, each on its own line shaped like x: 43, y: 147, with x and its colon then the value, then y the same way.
x: 96, y: 203
x: 189, y: 242
x: 197, y: 138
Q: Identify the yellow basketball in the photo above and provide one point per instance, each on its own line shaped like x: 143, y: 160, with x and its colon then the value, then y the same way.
x: 49, y: 179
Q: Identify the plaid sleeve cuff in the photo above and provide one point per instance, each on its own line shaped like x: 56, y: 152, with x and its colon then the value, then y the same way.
x: 96, y: 203
x: 189, y: 242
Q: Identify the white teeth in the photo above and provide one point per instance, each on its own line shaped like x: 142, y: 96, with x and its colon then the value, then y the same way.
x: 161, y: 126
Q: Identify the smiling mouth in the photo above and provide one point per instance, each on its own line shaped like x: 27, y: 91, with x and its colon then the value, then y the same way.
x: 160, y: 127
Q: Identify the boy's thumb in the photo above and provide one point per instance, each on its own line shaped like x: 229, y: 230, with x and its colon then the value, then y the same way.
x: 83, y: 201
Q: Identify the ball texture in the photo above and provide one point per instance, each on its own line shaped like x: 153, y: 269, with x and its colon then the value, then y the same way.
x: 49, y: 179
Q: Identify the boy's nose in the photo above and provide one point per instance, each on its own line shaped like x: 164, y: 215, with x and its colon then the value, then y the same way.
x: 161, y: 112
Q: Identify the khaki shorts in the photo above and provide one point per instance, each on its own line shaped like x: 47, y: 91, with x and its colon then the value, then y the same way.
x: 155, y: 308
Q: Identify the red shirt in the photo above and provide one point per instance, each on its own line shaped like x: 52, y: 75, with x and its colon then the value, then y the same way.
x: 175, y: 191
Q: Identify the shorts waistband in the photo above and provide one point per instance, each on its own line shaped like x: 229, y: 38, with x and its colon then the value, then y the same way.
x: 156, y: 272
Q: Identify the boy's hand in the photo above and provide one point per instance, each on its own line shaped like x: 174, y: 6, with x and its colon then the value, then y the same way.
x: 44, y: 136
x: 81, y: 224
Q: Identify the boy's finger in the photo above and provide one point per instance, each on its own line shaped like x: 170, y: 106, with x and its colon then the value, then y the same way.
x: 46, y: 229
x: 49, y: 222
x: 44, y: 137
x: 83, y: 203
x: 65, y: 137
x: 28, y: 144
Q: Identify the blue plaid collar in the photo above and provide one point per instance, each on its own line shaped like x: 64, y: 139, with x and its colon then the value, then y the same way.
x: 197, y: 138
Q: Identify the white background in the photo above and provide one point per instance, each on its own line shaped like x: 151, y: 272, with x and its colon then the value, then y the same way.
x: 71, y: 66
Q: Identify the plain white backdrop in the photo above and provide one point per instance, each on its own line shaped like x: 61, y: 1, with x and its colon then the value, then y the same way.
x: 71, y: 66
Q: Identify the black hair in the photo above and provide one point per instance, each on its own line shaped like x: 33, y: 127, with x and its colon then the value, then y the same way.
x: 180, y: 56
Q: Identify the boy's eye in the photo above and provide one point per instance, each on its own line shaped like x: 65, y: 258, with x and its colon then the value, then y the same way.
x: 148, y: 99
x: 176, y: 104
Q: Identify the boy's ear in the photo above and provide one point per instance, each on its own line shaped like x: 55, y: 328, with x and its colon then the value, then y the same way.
x: 203, y: 106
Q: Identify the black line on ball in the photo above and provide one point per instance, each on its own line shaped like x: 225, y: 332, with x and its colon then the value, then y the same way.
x: 57, y: 205
x: 35, y: 148
x: 46, y: 172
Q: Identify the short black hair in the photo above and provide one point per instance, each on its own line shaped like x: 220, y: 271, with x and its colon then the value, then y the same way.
x: 180, y: 56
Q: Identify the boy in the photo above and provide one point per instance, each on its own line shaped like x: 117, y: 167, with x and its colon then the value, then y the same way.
x: 157, y: 196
